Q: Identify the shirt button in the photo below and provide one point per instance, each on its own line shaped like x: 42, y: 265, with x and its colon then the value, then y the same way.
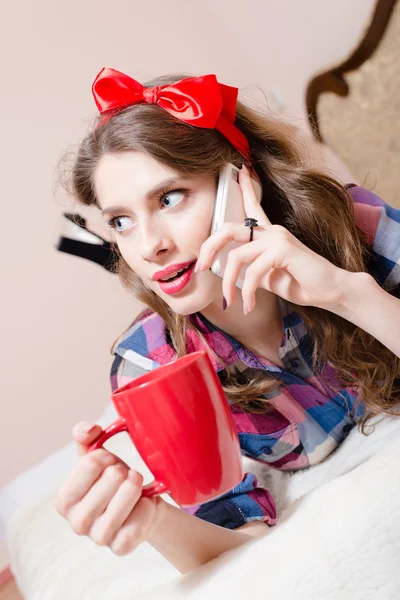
x: 267, y: 450
x: 295, y: 363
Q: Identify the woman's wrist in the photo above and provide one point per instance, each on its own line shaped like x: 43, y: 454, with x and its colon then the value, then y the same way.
x: 188, y: 542
x: 161, y: 514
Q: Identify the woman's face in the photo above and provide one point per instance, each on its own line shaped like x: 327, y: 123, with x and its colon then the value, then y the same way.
x: 156, y: 229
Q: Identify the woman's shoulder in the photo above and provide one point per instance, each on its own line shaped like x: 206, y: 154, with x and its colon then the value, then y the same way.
x: 381, y: 223
x: 146, y: 336
x: 142, y: 347
x: 371, y: 211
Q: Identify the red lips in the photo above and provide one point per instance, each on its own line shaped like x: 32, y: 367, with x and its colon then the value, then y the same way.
x: 170, y: 270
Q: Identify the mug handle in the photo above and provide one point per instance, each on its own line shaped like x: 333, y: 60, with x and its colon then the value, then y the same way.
x: 151, y: 489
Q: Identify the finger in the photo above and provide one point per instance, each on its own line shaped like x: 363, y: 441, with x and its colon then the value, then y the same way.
x: 84, y: 433
x: 79, y: 482
x: 136, y: 527
x: 83, y: 514
x: 229, y: 232
x: 106, y: 526
x: 252, y: 207
x: 258, y: 269
x: 237, y: 258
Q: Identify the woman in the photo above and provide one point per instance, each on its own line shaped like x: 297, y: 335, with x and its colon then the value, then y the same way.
x: 308, y: 349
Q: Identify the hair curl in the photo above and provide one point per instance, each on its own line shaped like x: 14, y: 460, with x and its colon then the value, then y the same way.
x: 312, y: 205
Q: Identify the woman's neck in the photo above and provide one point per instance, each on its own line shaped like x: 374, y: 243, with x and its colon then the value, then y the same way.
x: 260, y: 330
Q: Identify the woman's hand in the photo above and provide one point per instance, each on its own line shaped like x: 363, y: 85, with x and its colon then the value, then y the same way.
x: 102, y: 498
x: 280, y: 263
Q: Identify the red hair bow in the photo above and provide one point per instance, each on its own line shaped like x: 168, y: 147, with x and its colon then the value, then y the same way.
x: 199, y: 101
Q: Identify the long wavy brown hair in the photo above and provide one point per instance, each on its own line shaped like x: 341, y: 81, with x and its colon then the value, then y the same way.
x: 312, y: 205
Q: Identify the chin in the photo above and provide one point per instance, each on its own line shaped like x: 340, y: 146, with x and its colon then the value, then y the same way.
x: 186, y: 308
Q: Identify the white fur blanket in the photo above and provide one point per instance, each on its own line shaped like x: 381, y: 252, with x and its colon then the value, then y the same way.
x: 338, y: 536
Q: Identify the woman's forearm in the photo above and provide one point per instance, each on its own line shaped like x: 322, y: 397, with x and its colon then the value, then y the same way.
x: 188, y: 542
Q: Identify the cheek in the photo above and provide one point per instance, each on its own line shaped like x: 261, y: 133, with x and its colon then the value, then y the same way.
x: 131, y: 255
x: 200, y: 225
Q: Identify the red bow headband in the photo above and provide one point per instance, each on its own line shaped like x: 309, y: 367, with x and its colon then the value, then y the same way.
x: 199, y: 101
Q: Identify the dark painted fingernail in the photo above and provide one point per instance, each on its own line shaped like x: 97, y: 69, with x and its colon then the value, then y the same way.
x: 224, y: 303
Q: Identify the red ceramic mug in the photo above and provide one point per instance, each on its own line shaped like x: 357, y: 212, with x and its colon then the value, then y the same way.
x: 180, y: 422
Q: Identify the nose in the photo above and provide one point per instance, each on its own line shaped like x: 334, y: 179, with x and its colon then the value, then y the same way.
x: 154, y: 240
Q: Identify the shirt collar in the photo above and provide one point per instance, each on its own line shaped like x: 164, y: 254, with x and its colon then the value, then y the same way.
x: 148, y: 338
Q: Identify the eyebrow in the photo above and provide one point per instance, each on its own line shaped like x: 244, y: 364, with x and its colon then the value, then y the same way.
x: 150, y: 194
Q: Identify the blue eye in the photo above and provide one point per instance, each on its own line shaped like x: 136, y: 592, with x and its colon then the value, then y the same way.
x: 112, y: 223
x: 168, y: 198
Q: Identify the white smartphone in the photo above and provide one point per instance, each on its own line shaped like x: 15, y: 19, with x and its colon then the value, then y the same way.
x: 229, y: 208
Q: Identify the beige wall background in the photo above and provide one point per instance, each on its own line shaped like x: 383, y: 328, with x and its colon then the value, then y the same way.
x: 60, y: 314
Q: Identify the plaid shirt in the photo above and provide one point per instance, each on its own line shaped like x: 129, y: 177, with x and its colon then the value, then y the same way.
x: 308, y: 420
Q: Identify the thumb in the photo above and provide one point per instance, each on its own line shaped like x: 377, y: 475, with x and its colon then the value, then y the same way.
x: 84, y: 434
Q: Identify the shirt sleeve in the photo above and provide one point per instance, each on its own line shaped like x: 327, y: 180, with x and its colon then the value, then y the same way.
x: 381, y: 223
x: 246, y: 502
